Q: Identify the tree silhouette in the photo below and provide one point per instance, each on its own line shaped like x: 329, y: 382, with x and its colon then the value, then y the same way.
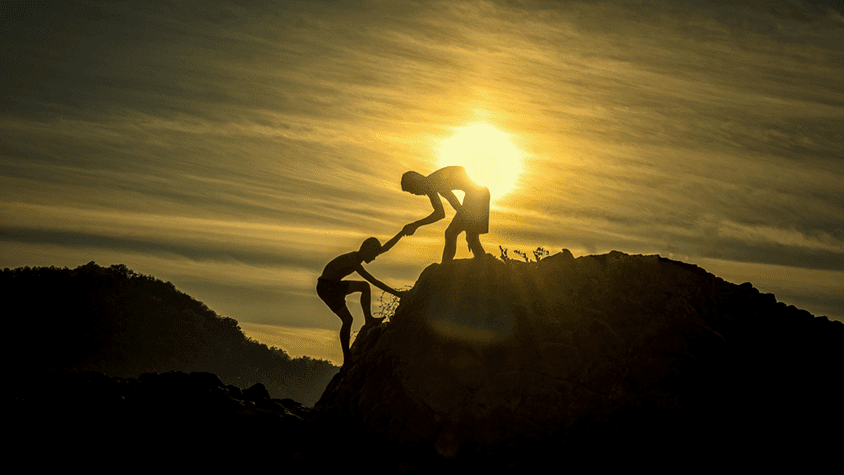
x: 121, y: 323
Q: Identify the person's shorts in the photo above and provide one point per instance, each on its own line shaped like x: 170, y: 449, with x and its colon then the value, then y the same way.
x: 474, y: 216
x: 333, y: 293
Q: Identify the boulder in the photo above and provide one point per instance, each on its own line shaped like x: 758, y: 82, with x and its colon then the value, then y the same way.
x: 486, y: 360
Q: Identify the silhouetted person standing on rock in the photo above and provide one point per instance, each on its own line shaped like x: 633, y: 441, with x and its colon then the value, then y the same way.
x: 333, y: 290
x: 472, y: 215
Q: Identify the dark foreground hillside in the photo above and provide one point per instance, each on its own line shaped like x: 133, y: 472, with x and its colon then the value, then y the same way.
x: 596, y: 363
x: 604, y: 360
x: 114, y: 321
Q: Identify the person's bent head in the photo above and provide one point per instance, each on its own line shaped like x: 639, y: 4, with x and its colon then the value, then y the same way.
x: 370, y: 249
x: 414, y: 183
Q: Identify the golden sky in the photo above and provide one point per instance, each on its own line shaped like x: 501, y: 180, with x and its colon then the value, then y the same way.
x: 234, y: 148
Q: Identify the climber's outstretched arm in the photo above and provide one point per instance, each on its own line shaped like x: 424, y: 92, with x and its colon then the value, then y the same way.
x: 392, y: 242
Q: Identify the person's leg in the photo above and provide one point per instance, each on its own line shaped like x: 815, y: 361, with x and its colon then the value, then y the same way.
x: 345, y: 332
x: 451, y: 233
x: 474, y: 241
x: 365, y: 301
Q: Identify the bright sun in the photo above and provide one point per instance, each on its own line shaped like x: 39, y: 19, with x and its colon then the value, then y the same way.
x: 488, y: 156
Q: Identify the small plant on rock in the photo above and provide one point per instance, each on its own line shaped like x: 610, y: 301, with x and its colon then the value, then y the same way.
x: 388, y: 304
x: 538, y: 254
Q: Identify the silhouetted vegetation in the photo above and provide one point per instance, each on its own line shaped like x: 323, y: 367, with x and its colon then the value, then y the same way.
x: 538, y: 254
x: 389, y: 303
x: 120, y: 323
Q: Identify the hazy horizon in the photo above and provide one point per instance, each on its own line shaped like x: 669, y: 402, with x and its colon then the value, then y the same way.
x: 234, y: 148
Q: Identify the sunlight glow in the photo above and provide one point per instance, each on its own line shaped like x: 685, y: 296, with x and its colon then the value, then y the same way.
x: 487, y: 155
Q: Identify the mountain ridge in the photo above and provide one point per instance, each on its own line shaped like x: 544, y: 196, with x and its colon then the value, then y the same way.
x: 609, y: 360
x: 117, y: 322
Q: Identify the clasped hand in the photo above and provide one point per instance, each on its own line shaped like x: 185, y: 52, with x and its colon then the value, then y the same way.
x: 409, y: 229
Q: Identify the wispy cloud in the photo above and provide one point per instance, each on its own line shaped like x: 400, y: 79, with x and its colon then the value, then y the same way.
x: 243, y: 140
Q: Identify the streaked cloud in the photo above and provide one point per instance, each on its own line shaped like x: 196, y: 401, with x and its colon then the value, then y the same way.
x: 236, y: 148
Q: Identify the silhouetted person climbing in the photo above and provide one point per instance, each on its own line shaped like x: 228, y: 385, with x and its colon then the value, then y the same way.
x: 472, y: 215
x: 333, y: 290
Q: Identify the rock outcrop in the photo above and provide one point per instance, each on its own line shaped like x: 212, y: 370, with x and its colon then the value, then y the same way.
x: 509, y: 364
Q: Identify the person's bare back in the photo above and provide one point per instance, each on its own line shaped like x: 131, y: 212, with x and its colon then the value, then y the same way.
x: 341, y: 266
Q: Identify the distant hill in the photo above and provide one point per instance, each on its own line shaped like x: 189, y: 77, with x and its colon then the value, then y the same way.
x: 120, y: 323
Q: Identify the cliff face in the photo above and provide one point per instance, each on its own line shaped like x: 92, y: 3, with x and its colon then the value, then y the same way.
x: 492, y: 360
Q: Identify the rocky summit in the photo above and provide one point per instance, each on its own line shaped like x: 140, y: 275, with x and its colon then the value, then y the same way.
x: 505, y: 364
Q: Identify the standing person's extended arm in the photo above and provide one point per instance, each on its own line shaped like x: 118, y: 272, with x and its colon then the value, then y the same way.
x: 436, y: 215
